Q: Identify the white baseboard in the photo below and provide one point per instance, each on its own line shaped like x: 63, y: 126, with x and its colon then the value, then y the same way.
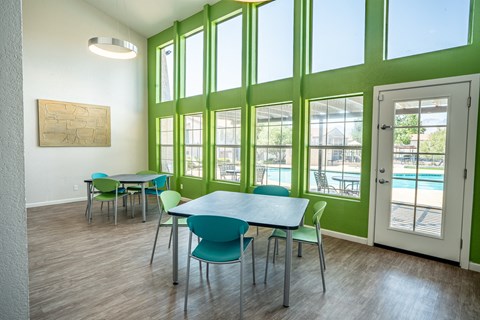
x: 474, y: 267
x: 344, y: 236
x: 49, y: 203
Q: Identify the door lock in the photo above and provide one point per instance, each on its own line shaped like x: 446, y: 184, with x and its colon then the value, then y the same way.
x: 382, y: 181
x: 382, y: 170
x: 384, y: 126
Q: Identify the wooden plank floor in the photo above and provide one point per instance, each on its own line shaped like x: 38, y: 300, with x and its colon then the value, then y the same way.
x: 99, y: 271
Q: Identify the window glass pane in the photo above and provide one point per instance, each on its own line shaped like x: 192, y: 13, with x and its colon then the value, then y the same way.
x: 273, y: 162
x: 275, y: 41
x: 166, y: 78
x: 193, y: 145
x: 227, y: 148
x: 335, y: 148
x: 194, y: 64
x: 166, y: 145
x: 338, y: 34
x: 416, y: 27
x: 229, y: 53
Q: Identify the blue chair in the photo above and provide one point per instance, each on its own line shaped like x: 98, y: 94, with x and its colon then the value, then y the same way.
x: 305, y: 234
x: 271, y: 190
x: 223, y: 242
x: 159, y: 186
x: 169, y: 199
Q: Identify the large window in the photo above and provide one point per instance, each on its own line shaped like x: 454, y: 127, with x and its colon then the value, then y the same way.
x: 227, y: 145
x: 194, y: 64
x: 193, y: 145
x: 338, y: 34
x: 166, y: 73
x: 275, y: 41
x: 335, y: 146
x: 229, y: 53
x: 416, y: 27
x: 273, y: 145
x: 166, y: 145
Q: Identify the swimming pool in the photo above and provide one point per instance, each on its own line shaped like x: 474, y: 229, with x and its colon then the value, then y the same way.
x: 400, y: 180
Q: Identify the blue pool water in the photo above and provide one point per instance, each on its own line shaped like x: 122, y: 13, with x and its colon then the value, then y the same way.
x: 400, y: 180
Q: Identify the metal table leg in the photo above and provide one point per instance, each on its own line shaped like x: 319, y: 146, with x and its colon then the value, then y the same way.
x: 144, y: 204
x: 175, y: 250
x: 288, y: 268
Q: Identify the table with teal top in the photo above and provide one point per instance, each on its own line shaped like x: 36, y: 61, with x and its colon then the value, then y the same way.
x: 258, y: 210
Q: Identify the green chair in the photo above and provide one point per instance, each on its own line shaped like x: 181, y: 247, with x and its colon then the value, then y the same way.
x: 271, y: 190
x: 305, y: 234
x: 223, y: 242
x: 169, y: 199
x: 108, y: 191
x: 94, y: 175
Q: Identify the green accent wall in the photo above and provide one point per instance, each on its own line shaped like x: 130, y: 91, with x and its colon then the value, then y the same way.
x: 344, y: 215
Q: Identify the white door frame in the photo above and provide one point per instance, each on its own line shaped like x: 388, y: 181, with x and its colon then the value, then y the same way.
x: 474, y: 79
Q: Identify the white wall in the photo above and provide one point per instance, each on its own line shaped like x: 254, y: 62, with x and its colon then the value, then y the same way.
x: 59, y: 66
x: 13, y: 222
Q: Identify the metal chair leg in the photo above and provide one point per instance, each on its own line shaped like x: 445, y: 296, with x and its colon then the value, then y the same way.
x: 266, y: 264
x: 188, y: 270
x: 320, y: 256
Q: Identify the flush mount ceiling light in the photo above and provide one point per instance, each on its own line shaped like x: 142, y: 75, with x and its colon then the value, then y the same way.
x: 112, y: 48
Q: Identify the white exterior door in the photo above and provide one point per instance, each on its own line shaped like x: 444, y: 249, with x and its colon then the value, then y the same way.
x: 420, y: 168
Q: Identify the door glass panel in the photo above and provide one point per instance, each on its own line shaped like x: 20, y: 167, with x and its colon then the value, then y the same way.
x: 418, y: 166
x: 401, y: 217
x: 428, y: 221
x: 434, y: 112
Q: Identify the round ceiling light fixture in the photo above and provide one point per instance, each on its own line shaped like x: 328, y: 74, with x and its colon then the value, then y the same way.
x: 112, y: 48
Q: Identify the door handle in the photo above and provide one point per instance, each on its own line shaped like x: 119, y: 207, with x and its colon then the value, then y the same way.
x: 384, y: 126
x: 382, y: 181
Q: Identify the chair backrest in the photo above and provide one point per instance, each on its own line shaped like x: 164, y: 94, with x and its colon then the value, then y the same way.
x: 106, y: 184
x: 272, y: 191
x: 146, y: 172
x: 318, y: 209
x: 217, y: 228
x: 160, y: 182
x: 321, y: 179
x: 259, y: 174
x: 97, y: 175
x: 170, y: 199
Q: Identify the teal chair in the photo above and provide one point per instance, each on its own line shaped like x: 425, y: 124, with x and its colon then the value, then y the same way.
x: 159, y: 186
x: 223, y: 242
x: 271, y: 190
x: 139, y: 187
x: 170, y: 199
x: 108, y: 190
x: 305, y: 234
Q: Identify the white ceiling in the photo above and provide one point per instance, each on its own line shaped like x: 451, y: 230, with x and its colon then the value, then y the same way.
x: 149, y: 17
